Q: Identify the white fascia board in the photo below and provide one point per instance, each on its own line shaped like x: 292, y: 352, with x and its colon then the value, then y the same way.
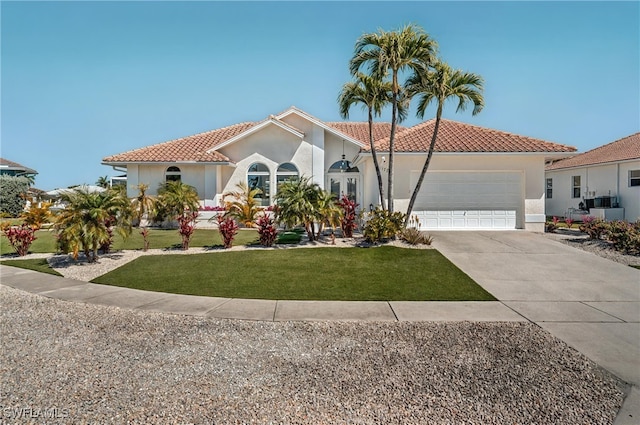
x: 124, y: 164
x: 599, y: 164
x: 546, y: 154
x: 319, y: 123
x: 270, y: 121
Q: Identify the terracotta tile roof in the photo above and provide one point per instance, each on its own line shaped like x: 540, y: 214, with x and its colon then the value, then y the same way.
x: 187, y: 149
x: 360, y: 130
x: 455, y: 136
x: 625, y: 149
x: 5, y: 164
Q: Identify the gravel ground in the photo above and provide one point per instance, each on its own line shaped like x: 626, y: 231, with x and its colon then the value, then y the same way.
x: 95, y: 364
x: 580, y: 240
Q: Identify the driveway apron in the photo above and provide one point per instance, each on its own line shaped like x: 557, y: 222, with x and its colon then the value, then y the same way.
x: 591, y: 303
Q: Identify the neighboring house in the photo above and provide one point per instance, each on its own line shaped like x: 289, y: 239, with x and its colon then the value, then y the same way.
x: 603, y: 182
x: 478, y: 179
x: 11, y: 168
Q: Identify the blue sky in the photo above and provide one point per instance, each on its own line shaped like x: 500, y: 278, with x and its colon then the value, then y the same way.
x: 84, y: 80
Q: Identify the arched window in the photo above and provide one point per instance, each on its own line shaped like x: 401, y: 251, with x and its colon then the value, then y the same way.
x: 258, y: 178
x: 172, y: 174
x: 342, y: 166
x: 286, y: 171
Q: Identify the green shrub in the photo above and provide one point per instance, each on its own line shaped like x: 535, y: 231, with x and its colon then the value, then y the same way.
x: 594, y: 227
x: 624, y: 236
x: 13, y: 190
x: 383, y: 225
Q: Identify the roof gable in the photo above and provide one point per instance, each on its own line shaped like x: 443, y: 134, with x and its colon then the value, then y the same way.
x: 272, y: 120
x: 625, y: 149
x: 454, y: 136
x: 332, y: 129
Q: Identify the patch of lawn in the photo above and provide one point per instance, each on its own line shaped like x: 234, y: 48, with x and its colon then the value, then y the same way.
x: 158, y: 238
x: 45, y: 242
x: 383, y: 274
x: 36, y: 264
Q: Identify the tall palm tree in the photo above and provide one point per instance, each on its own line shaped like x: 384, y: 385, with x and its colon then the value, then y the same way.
x: 374, y: 95
x: 437, y: 85
x: 393, y: 52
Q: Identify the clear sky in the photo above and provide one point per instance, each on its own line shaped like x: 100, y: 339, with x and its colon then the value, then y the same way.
x: 84, y: 80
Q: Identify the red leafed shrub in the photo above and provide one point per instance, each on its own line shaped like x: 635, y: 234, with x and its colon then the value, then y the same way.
x: 20, y: 238
x: 228, y: 229
x: 348, y: 222
x: 569, y: 222
x: 266, y: 230
x: 187, y: 225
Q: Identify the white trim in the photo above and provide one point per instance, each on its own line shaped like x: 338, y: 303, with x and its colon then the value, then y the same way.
x: 535, y: 218
x: 124, y: 164
x: 599, y: 164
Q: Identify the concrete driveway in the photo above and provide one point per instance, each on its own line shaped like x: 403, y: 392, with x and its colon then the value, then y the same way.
x: 591, y: 303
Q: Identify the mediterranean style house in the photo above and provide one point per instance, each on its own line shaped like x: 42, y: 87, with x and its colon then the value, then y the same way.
x: 603, y: 182
x: 479, y: 178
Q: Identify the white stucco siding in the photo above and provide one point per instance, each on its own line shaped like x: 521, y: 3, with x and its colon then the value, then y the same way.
x: 271, y: 146
x: 596, y: 180
x: 629, y: 195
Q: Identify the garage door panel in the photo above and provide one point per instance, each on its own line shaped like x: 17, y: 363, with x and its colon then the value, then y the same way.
x: 469, y: 200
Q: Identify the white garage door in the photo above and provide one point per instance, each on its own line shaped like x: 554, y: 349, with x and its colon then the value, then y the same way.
x: 469, y: 200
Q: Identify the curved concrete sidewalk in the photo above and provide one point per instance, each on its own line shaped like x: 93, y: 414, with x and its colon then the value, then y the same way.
x: 591, y: 303
x: 270, y: 310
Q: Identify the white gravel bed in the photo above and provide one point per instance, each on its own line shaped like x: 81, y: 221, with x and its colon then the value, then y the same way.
x: 580, y: 240
x: 95, y: 364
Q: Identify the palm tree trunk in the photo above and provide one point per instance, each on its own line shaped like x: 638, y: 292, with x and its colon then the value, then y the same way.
x: 375, y: 160
x: 394, y: 118
x: 414, y: 195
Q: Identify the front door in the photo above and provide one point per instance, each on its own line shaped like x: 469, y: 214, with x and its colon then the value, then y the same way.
x: 344, y: 184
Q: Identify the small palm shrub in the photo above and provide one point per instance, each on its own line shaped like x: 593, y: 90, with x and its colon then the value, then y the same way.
x: 20, y: 237
x: 348, y: 222
x: 267, y: 231
x: 383, y: 225
x: 242, y: 204
x: 228, y: 229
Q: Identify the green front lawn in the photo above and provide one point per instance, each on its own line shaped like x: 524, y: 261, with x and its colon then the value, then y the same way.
x: 36, y: 264
x: 384, y: 273
x: 46, y: 242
